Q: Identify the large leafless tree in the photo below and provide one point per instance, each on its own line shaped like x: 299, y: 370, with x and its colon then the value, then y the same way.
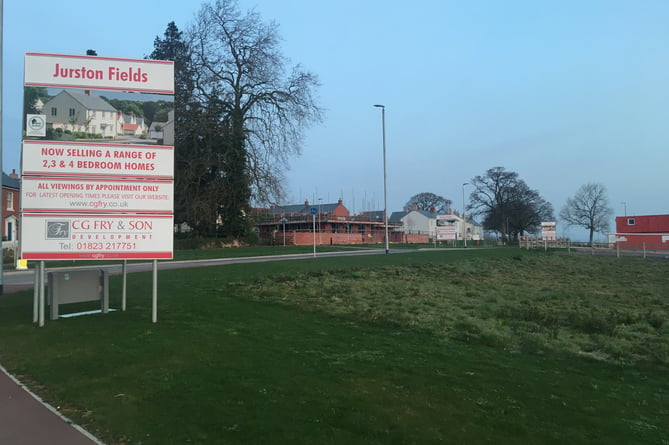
x: 429, y: 202
x: 263, y: 106
x: 588, y: 208
x: 507, y: 204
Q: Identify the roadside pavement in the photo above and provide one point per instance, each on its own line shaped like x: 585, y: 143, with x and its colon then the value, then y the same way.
x: 26, y: 420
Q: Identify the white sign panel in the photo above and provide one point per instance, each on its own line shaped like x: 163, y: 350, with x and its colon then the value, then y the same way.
x: 95, y: 236
x: 548, y: 230
x: 446, y: 227
x: 103, y: 73
x: 77, y: 195
x: 100, y: 160
x: 35, y: 125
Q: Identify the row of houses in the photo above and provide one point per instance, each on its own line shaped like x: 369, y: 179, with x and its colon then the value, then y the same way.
x: 304, y: 224
x: 88, y: 113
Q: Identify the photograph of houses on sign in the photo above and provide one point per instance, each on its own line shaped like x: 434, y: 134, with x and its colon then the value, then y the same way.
x: 102, y: 116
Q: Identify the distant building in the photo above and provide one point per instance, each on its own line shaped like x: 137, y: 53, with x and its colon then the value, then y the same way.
x: 332, y: 222
x: 642, y: 232
x: 11, y: 192
x: 163, y: 132
x: 451, y: 227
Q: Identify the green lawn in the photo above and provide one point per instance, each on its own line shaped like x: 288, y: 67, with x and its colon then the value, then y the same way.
x: 466, y: 347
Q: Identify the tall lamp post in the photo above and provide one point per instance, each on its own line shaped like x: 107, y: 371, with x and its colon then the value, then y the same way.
x: 320, y: 228
x: 1, y: 86
x: 385, y: 189
x: 464, y: 220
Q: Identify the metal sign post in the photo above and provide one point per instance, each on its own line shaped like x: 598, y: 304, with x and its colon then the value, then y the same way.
x: 283, y: 222
x: 313, y: 211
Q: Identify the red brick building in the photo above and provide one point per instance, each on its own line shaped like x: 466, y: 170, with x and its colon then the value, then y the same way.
x: 11, y: 192
x: 333, y: 224
x: 642, y: 232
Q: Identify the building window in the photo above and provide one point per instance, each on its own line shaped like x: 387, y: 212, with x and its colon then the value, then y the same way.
x: 631, y: 222
x: 72, y: 112
x: 10, y: 201
x: 54, y: 111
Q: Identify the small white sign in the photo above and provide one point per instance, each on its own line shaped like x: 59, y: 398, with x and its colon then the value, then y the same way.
x: 36, y: 125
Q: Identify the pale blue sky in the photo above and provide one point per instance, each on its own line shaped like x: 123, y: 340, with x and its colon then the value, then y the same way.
x: 564, y: 93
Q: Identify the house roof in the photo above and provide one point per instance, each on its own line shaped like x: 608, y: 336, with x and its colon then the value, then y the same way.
x: 305, y: 208
x: 90, y: 102
x: 426, y: 213
x: 374, y: 214
x: 130, y: 127
x: 396, y: 217
x: 296, y: 208
x: 9, y: 182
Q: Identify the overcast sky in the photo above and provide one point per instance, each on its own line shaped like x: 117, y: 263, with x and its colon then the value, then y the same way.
x: 563, y: 93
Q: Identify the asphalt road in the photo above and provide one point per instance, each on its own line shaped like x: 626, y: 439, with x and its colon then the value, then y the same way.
x: 19, y: 280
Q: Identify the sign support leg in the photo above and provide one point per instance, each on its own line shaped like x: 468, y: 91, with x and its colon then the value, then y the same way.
x: 154, y: 302
x: 41, y: 293
x: 125, y: 282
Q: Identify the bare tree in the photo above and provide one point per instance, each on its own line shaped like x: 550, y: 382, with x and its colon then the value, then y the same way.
x: 507, y: 204
x: 430, y: 202
x: 588, y: 208
x: 264, y: 108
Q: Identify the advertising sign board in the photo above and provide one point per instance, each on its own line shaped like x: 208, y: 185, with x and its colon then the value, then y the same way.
x: 447, y: 226
x: 549, y: 230
x: 83, y: 199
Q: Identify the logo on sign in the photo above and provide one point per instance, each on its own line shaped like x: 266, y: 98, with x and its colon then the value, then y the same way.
x: 36, y: 125
x: 57, y: 230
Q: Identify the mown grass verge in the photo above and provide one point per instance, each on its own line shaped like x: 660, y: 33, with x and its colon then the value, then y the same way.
x: 496, y: 346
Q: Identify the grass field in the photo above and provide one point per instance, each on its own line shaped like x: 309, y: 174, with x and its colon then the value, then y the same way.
x: 466, y: 347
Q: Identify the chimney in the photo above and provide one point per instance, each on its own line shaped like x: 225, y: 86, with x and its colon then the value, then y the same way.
x: 13, y: 174
x: 306, y: 203
x: 433, y: 210
x: 414, y: 207
x: 340, y: 202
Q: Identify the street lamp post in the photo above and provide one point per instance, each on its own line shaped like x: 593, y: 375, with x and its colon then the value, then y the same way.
x: 464, y: 220
x: 320, y: 228
x: 1, y: 87
x: 385, y: 188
